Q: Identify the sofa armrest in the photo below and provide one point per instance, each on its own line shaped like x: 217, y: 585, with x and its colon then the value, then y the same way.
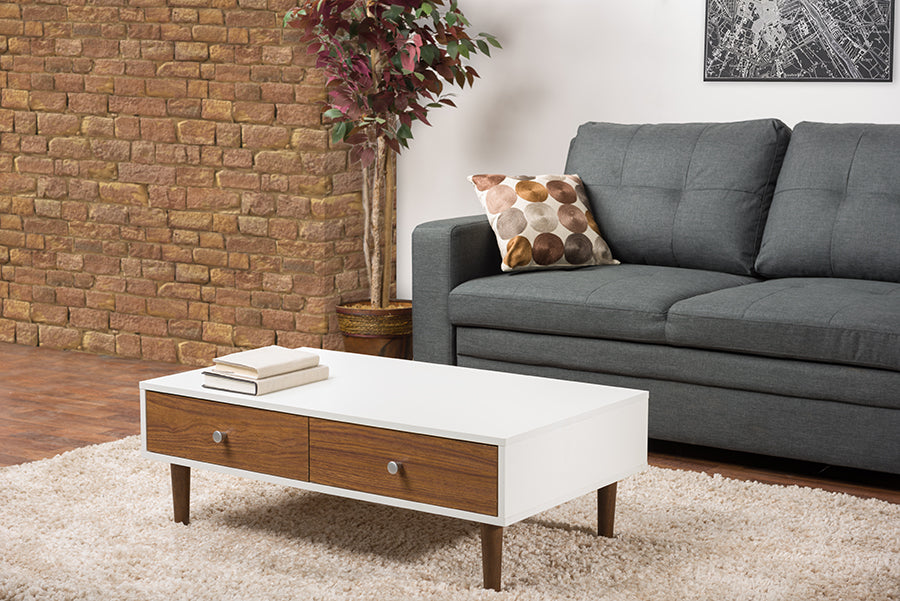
x: 446, y: 253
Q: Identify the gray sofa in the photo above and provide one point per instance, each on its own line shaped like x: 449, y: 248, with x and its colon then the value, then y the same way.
x: 757, y: 299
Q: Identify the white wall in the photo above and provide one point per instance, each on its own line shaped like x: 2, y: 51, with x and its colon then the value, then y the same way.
x: 565, y: 62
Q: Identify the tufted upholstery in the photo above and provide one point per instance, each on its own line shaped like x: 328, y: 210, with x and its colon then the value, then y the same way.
x: 681, y: 195
x: 836, y: 210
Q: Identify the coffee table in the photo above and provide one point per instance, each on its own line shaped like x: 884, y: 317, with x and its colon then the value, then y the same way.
x: 490, y: 447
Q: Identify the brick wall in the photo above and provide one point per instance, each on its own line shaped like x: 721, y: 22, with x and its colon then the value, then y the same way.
x: 167, y: 190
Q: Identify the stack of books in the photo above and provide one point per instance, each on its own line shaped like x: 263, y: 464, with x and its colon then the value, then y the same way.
x: 263, y: 370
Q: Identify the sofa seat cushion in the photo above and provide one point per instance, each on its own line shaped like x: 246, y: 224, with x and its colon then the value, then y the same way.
x: 852, y: 322
x: 626, y: 302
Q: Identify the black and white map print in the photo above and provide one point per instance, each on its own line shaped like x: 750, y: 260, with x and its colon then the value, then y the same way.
x: 799, y: 40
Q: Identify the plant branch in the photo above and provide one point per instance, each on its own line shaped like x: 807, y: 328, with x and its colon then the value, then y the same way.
x: 386, y: 63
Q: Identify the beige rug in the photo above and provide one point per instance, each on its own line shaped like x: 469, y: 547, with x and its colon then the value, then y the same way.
x: 96, y: 523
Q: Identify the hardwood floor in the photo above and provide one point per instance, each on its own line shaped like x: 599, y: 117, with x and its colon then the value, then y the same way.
x: 773, y: 470
x: 54, y: 401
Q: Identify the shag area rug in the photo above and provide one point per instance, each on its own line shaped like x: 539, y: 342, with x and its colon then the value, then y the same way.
x: 96, y: 523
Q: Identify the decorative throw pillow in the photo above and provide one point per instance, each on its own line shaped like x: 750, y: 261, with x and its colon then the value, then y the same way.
x: 542, y: 221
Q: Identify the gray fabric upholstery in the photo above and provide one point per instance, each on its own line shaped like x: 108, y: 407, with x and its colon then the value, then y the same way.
x: 824, y: 381
x: 785, y: 426
x: 853, y: 322
x: 446, y: 253
x: 805, y: 365
x: 613, y: 301
x: 836, y: 210
x: 683, y: 195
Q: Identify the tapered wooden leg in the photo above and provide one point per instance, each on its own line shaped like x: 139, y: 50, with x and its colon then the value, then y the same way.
x: 491, y: 555
x: 181, y: 492
x: 606, y: 510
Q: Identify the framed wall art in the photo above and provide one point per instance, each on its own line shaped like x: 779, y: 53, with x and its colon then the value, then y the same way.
x: 799, y: 40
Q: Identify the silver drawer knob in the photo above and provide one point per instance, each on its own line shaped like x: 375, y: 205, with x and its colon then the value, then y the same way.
x: 393, y: 467
x: 219, y: 436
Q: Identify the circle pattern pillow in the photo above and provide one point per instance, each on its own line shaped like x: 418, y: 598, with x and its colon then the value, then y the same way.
x: 542, y: 221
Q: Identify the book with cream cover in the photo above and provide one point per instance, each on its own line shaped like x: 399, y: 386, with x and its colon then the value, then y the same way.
x: 264, y: 362
x: 257, y: 386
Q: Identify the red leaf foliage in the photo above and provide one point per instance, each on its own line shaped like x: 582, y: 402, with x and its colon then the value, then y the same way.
x: 384, y: 62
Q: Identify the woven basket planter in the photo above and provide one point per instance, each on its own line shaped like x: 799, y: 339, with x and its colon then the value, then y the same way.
x: 372, y: 331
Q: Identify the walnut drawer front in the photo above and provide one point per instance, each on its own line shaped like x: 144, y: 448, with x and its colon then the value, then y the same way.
x: 255, y: 439
x: 438, y: 471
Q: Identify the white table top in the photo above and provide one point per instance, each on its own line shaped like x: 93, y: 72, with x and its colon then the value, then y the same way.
x: 426, y: 398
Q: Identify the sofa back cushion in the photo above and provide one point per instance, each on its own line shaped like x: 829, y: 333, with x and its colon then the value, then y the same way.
x: 682, y: 195
x: 836, y: 210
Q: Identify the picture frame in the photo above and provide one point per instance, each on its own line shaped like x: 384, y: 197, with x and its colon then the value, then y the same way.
x: 791, y: 40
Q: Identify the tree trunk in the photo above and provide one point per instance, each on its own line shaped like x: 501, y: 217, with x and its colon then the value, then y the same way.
x: 388, y: 226
x: 381, y: 223
x: 367, y: 220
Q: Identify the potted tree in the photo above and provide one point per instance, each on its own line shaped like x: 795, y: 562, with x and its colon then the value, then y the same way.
x: 386, y: 63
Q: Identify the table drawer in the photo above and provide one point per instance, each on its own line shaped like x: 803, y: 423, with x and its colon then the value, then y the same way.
x: 438, y: 471
x: 255, y: 439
